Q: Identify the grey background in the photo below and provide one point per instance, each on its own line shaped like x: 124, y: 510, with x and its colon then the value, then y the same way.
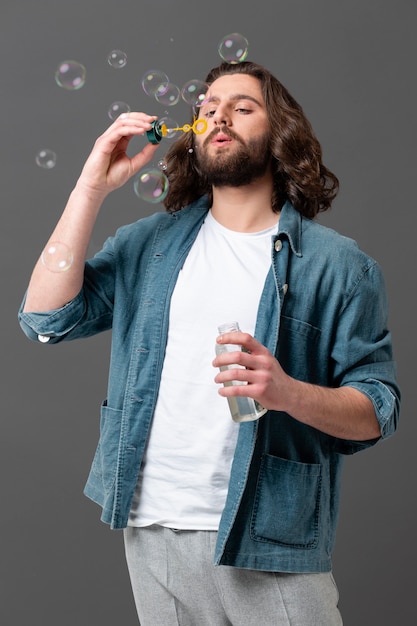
x: 352, y: 66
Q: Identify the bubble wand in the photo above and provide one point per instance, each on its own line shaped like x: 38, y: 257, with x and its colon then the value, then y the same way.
x: 159, y: 131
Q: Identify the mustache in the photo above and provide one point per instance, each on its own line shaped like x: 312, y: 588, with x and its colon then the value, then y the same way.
x: 225, y: 131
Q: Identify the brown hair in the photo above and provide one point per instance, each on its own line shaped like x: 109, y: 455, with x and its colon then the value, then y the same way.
x: 298, y: 171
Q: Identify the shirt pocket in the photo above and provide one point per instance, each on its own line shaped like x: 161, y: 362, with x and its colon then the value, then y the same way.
x: 287, y: 503
x: 105, y: 459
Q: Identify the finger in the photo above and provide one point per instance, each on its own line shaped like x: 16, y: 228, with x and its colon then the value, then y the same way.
x: 133, y: 119
x: 116, y: 139
x: 128, y: 125
x: 239, y: 376
x: 242, y: 339
x: 235, y: 337
x: 239, y: 357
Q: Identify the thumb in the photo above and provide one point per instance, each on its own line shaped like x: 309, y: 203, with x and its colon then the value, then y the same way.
x: 143, y: 157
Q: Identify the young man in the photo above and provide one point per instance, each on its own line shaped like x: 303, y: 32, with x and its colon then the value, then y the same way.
x: 225, y: 523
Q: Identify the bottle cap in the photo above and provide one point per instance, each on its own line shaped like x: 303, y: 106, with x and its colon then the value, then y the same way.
x: 156, y: 133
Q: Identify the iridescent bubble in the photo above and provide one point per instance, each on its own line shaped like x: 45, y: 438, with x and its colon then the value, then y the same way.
x: 70, y: 75
x: 151, y: 185
x: 170, y: 96
x: 194, y: 92
x: 46, y: 158
x: 57, y: 257
x: 117, y: 108
x: 154, y: 82
x: 169, y: 124
x: 117, y: 58
x: 233, y: 48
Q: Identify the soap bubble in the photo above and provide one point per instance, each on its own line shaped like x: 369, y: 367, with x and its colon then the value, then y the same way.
x: 154, y: 82
x: 151, y: 185
x: 46, y: 158
x: 117, y: 108
x: 170, y: 124
x: 233, y: 48
x: 194, y: 92
x: 117, y: 58
x: 57, y: 257
x: 170, y: 96
x: 70, y: 75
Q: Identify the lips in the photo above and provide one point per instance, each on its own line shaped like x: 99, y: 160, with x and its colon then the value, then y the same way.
x: 219, y: 137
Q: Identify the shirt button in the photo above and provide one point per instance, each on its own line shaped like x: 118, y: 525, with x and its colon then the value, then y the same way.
x: 284, y: 288
x: 278, y: 245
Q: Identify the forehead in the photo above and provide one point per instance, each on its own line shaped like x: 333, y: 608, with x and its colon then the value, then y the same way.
x: 232, y: 85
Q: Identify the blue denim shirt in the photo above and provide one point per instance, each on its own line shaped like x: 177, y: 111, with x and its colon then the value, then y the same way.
x: 323, y: 313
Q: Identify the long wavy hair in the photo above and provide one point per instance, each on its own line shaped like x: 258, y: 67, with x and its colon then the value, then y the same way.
x: 296, y: 155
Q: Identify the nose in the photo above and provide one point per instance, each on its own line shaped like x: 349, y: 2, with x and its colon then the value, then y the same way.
x: 221, y: 118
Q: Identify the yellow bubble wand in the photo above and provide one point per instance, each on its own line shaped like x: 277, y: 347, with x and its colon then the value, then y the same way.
x: 158, y: 131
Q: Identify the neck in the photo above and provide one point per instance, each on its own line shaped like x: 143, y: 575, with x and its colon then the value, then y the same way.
x: 245, y: 209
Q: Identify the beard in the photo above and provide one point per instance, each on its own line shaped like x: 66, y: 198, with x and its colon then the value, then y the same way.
x: 247, y: 161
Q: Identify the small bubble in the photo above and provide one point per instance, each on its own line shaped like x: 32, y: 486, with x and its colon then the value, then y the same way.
x: 117, y: 58
x: 57, y: 257
x: 154, y: 82
x: 233, y: 48
x: 151, y: 185
x: 70, y: 75
x: 190, y: 150
x: 46, y: 159
x: 117, y: 108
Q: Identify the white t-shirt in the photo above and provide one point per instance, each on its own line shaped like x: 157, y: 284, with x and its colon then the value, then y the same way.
x: 185, y: 473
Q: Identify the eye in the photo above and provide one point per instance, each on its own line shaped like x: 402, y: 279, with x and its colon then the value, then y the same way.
x: 209, y: 112
x: 243, y: 110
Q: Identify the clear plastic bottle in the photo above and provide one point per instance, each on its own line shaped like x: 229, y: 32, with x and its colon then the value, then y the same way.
x: 242, y: 408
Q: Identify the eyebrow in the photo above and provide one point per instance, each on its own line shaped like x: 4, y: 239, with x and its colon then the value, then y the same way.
x: 234, y: 98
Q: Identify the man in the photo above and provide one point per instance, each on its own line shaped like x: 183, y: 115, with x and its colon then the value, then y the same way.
x: 225, y: 523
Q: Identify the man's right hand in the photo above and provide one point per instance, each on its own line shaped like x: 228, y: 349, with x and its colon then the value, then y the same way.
x: 108, y: 165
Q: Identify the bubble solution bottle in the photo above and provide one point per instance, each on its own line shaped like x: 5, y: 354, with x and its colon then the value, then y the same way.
x: 242, y: 408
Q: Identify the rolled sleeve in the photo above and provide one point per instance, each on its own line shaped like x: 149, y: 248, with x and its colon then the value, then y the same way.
x: 363, y: 354
x: 52, y: 326
x: 386, y: 404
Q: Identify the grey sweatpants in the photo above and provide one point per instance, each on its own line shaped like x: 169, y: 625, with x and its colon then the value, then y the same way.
x: 175, y: 583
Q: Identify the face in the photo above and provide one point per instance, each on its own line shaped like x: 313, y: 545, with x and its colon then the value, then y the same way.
x: 234, y: 150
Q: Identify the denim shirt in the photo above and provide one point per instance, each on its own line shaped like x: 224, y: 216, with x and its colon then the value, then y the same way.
x: 322, y: 312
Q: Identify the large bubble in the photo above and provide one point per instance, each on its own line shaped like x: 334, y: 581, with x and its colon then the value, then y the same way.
x: 170, y: 96
x: 70, y: 75
x: 151, y: 185
x: 233, y: 48
x: 194, y: 92
x: 154, y: 82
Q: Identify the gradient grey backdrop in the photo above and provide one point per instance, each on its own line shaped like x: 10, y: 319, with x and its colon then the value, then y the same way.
x: 352, y: 65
